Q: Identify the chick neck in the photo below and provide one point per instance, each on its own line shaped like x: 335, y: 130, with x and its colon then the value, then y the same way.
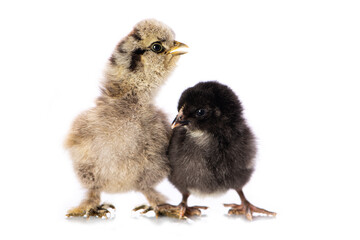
x: 121, y: 84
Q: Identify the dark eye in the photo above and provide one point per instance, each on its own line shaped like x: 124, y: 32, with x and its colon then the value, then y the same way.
x: 157, y: 47
x: 200, y: 112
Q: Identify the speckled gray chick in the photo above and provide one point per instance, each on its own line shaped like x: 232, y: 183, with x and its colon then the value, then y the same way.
x: 120, y: 144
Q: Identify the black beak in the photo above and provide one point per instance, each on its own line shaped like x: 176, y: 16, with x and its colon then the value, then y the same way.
x: 179, y: 120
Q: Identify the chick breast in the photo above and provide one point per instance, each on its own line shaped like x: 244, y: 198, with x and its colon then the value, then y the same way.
x: 203, y: 166
x: 112, y: 148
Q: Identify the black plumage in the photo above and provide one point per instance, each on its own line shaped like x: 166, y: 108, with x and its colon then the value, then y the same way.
x: 212, y: 148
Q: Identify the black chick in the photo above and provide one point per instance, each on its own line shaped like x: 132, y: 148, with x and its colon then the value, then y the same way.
x: 212, y: 149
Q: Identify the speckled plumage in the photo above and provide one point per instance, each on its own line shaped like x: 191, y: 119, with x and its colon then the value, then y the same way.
x: 120, y: 144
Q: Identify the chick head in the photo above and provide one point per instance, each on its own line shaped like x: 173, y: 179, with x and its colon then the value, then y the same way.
x: 150, y: 48
x: 208, y: 106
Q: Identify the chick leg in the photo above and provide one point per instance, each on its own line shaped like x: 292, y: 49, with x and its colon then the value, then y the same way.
x: 154, y: 198
x: 181, y: 211
x: 187, y: 211
x: 90, y: 206
x: 246, y: 208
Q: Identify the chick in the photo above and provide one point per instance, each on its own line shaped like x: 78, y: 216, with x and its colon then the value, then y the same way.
x: 120, y: 144
x: 212, y: 149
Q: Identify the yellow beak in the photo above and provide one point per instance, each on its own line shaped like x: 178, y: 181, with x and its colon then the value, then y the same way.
x: 175, y: 47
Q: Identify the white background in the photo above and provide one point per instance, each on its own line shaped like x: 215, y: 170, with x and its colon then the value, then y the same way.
x: 294, y: 65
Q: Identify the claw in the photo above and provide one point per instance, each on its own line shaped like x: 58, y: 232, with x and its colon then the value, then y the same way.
x: 248, y: 214
x: 107, y: 205
x: 247, y: 209
x: 99, y: 211
x: 139, y: 207
x: 145, y: 207
x: 182, y: 211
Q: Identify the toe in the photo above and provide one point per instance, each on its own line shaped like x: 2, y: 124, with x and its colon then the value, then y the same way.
x: 260, y: 210
x: 140, y: 207
x: 193, y: 212
x: 147, y: 209
x: 236, y: 211
x: 106, y: 206
x: 248, y: 214
x: 76, y: 212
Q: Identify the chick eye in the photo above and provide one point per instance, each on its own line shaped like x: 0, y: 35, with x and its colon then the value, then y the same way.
x: 200, y: 112
x: 156, y: 47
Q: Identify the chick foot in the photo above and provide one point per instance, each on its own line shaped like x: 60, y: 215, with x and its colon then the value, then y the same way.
x: 98, y: 211
x: 184, y: 211
x: 181, y: 211
x: 246, y: 209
